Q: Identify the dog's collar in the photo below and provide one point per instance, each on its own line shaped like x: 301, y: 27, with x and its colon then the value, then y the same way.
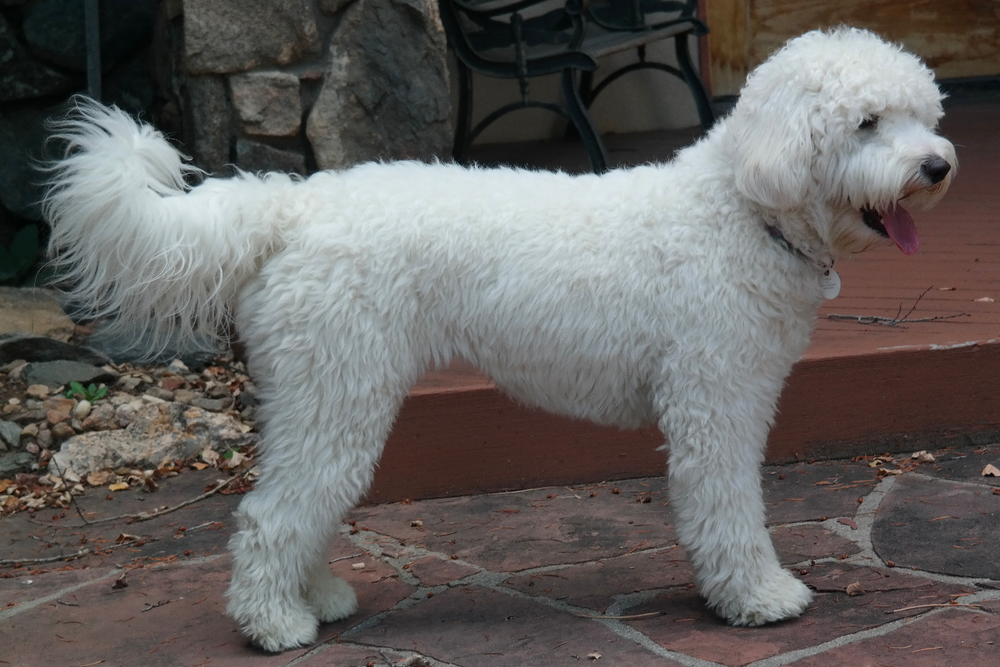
x: 829, y: 279
x: 782, y: 241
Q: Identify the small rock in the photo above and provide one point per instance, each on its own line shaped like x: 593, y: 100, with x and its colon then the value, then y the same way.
x: 32, y: 448
x: 62, y: 431
x: 102, y: 418
x: 213, y: 404
x: 172, y: 383
x: 37, y: 391
x: 10, y: 366
x: 124, y: 414
x: 129, y: 382
x: 82, y: 409
x: 185, y: 396
x: 160, y: 393
x: 59, y: 403
x: 248, y: 397
x: 218, y: 390
x: 10, y: 433
x: 178, y: 367
x: 31, y: 430
x: 54, y: 417
x: 15, y: 462
x: 29, y: 416
x: 44, y: 438
x: 60, y: 373
x: 11, y: 409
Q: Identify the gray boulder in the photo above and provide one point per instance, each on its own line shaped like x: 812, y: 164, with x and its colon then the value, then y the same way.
x: 255, y: 157
x: 159, y: 431
x: 33, y: 311
x: 267, y: 103
x: 224, y: 36
x: 210, y: 124
x: 21, y: 76
x: 55, y: 30
x: 20, y: 345
x: 385, y: 92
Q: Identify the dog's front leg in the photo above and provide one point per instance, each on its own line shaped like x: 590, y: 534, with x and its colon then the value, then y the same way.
x: 716, y: 448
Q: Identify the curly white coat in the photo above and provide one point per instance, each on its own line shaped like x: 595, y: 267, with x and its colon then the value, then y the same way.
x: 677, y: 293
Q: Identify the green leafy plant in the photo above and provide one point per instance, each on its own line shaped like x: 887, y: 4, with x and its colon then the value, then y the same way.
x: 17, y: 261
x: 91, y: 393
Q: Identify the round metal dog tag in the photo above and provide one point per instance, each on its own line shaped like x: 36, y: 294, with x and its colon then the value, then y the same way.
x: 829, y: 283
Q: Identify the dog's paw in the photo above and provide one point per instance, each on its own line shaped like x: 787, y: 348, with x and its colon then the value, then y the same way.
x: 776, y: 599
x: 277, y: 629
x: 330, y: 597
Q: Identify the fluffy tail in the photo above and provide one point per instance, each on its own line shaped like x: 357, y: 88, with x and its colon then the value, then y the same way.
x: 133, y: 243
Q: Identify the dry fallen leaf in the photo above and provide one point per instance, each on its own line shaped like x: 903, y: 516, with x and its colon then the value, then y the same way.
x: 99, y: 477
x: 198, y: 465
x: 946, y: 289
x: 357, y: 566
x: 985, y: 299
x: 991, y: 471
x: 120, y: 486
x: 125, y: 537
x: 594, y: 656
x: 209, y: 456
x: 855, y: 589
x: 923, y: 456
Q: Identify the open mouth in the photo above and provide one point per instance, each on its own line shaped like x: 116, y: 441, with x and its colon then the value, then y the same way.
x: 894, y: 223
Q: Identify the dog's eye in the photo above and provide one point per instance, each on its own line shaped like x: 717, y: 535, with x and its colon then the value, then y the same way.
x: 868, y: 123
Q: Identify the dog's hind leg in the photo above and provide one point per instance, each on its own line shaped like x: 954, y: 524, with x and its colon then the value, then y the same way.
x: 313, y: 470
x: 329, y: 393
x: 717, y: 433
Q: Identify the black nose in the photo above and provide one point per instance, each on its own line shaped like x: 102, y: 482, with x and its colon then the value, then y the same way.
x: 935, y: 169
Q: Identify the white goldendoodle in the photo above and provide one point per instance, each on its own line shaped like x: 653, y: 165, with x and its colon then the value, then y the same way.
x: 677, y: 293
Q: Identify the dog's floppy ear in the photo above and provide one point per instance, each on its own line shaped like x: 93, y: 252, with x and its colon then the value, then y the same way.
x: 771, y: 139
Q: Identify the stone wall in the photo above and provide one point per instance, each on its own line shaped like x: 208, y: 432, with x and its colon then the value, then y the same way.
x: 300, y: 85
x: 290, y: 85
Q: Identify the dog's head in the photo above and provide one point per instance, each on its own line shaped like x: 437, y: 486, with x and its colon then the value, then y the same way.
x: 843, y: 121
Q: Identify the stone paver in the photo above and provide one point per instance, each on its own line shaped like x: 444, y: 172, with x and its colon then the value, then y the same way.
x: 478, y: 627
x: 516, y: 578
x: 686, y: 626
x: 940, y: 526
x: 949, y: 639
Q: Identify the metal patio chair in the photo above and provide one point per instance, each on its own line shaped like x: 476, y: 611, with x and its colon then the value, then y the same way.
x: 523, y: 39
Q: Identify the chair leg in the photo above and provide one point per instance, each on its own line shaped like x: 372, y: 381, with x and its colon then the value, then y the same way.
x: 694, y: 82
x: 463, y: 123
x: 584, y: 124
x: 586, y: 96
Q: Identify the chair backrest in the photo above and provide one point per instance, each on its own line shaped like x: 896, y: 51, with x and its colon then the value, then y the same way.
x: 634, y: 15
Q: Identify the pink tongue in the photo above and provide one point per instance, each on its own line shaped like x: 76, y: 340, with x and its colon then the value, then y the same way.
x: 899, y: 225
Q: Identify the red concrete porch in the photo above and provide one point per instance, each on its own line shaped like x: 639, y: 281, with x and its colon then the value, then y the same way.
x: 860, y: 388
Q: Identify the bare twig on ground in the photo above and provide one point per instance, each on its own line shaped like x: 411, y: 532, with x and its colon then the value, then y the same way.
x: 897, y: 320
x: 78, y: 554
x: 146, y: 516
